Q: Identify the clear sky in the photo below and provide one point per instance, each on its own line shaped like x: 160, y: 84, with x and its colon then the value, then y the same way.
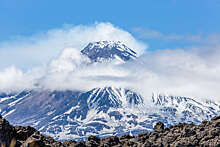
x: 184, y: 17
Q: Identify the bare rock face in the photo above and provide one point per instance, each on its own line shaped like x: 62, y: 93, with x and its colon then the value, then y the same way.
x: 7, y: 132
x: 110, y: 141
x: 181, y: 135
x: 23, y: 136
x: 159, y: 127
x: 22, y: 133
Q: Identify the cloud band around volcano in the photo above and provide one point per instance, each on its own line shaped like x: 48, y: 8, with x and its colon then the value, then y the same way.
x: 186, y: 72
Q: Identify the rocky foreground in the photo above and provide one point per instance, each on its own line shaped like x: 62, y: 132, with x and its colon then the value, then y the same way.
x: 205, y: 134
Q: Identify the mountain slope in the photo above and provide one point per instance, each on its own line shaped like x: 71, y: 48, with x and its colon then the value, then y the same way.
x: 183, y: 109
x: 75, y: 114
x: 104, y: 51
x: 101, y: 111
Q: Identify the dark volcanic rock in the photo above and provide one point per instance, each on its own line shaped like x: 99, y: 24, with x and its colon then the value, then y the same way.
x: 23, y: 136
x: 110, y: 141
x: 181, y: 135
x: 7, y: 132
x: 22, y: 133
x: 159, y: 127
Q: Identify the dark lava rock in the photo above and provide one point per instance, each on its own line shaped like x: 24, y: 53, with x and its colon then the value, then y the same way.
x: 126, y: 137
x: 181, y: 135
x: 159, y: 127
x: 7, y: 132
x: 22, y: 133
x: 94, y: 138
x: 69, y: 143
x: 110, y: 141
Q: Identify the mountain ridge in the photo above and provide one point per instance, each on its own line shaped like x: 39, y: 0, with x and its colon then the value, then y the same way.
x: 101, y: 111
x: 78, y: 118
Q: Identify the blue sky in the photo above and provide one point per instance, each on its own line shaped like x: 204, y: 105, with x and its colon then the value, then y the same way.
x: 188, y: 17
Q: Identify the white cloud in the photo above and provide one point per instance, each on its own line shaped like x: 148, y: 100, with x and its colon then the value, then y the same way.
x: 175, y: 72
x: 26, y: 52
x: 69, y: 60
x: 192, y: 71
x: 13, y: 79
x: 179, y: 72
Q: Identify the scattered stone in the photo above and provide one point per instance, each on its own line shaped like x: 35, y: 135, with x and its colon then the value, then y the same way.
x: 159, y: 127
x: 126, y: 137
x: 94, y: 138
x: 69, y: 143
x: 110, y: 141
x: 181, y: 135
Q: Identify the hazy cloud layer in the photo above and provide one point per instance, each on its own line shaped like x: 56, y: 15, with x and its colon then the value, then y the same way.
x: 192, y: 71
x: 201, y: 38
x: 154, y: 34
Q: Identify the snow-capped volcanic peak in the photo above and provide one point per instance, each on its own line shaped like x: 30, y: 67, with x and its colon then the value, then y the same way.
x: 108, y: 51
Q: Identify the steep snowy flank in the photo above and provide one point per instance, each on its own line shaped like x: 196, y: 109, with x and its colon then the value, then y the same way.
x: 185, y: 109
x: 101, y: 111
x: 75, y: 114
x: 107, y: 97
x: 8, y: 102
x: 104, y: 51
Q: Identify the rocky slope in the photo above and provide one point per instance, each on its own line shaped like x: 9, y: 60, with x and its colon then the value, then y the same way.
x: 205, y: 134
x: 16, y: 136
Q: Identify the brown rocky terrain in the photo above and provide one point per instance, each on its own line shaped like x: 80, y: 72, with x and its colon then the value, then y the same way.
x: 181, y: 135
